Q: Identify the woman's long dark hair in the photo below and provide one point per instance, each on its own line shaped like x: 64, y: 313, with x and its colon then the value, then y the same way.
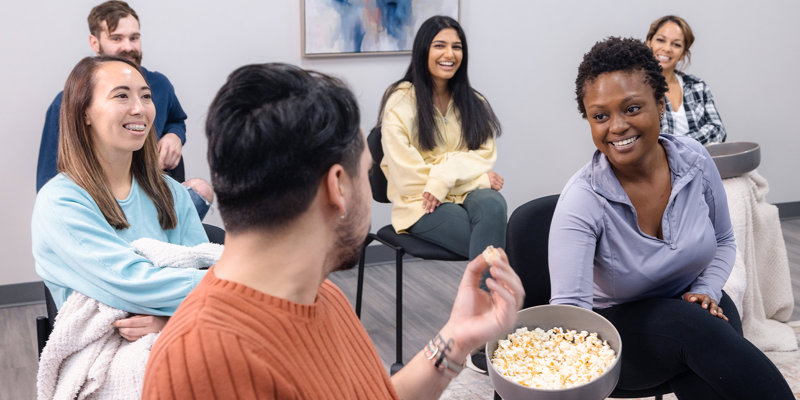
x: 478, y: 121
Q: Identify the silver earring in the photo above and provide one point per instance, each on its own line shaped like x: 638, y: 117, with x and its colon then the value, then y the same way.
x: 661, y: 117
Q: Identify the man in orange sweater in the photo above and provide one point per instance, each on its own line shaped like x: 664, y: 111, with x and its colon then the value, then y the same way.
x: 290, y: 167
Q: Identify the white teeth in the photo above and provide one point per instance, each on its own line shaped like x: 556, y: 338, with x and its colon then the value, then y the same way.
x: 625, y: 142
x: 134, y: 127
x: 447, y: 63
x: 663, y: 58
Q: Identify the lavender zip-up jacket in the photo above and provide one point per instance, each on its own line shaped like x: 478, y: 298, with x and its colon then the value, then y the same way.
x: 598, y: 255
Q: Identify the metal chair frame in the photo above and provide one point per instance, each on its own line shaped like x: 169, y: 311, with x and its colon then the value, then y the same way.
x: 389, y: 238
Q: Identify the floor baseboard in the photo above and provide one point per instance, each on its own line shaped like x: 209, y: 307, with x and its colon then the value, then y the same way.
x: 789, y: 210
x: 21, y: 294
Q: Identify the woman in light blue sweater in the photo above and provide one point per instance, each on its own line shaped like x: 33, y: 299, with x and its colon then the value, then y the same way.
x: 108, y: 193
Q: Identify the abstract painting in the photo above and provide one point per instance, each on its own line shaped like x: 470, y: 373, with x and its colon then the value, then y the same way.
x: 358, y: 27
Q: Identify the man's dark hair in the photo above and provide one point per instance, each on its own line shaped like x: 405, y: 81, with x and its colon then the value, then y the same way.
x: 618, y: 54
x: 109, y: 12
x: 273, y: 131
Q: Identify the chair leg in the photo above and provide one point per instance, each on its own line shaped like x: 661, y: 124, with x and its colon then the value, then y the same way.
x: 360, y: 284
x: 399, y: 312
x: 42, y: 332
x: 361, y: 263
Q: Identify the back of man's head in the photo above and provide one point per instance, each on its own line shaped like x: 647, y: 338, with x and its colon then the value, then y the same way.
x: 274, y: 131
x: 109, y: 12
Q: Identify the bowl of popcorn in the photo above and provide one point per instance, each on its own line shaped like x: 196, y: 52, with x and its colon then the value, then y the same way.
x: 556, y: 352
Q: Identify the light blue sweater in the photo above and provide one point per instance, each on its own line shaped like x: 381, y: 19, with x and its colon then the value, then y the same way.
x: 75, y: 248
x: 599, y: 257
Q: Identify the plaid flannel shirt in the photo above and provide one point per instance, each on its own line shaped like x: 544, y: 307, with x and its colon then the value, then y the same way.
x: 705, y: 125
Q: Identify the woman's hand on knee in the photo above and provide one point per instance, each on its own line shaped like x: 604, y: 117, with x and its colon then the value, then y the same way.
x: 706, y: 302
x: 429, y: 202
x: 133, y: 328
x: 495, y: 180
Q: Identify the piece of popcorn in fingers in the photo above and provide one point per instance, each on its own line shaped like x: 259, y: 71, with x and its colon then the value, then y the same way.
x: 491, y: 255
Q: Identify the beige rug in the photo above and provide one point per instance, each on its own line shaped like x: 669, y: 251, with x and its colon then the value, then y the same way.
x: 471, y: 385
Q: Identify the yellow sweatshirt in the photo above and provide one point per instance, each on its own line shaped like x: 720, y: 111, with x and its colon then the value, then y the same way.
x: 449, y: 172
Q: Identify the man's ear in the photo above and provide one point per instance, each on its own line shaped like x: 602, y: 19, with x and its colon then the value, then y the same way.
x: 336, y: 186
x: 94, y: 43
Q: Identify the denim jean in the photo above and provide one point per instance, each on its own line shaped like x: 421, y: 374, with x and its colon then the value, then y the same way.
x: 200, y: 203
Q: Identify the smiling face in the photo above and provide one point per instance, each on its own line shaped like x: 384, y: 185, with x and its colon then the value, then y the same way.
x: 124, y: 42
x: 624, y: 117
x: 444, y: 55
x: 121, y: 113
x: 668, y: 45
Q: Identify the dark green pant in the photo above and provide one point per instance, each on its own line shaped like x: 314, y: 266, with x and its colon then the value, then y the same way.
x: 466, y: 229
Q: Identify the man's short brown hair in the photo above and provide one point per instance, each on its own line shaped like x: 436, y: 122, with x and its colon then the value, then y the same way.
x: 110, y: 12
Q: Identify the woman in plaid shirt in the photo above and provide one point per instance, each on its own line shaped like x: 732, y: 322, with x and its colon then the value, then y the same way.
x: 690, y: 106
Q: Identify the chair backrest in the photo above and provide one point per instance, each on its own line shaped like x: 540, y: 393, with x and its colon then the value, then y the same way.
x: 215, y: 234
x: 526, y: 245
x: 377, y: 180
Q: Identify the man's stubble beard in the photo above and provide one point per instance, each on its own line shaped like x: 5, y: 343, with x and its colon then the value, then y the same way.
x: 349, y: 240
x: 134, y: 56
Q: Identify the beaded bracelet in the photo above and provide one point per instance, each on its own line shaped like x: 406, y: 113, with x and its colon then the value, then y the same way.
x: 435, y: 351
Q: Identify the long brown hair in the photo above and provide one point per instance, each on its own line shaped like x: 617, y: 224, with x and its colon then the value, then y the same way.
x: 78, y: 159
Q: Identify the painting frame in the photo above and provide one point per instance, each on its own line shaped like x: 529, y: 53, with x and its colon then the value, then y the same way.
x: 311, y: 48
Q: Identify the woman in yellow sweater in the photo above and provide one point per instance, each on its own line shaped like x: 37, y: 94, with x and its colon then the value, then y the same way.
x: 438, y: 137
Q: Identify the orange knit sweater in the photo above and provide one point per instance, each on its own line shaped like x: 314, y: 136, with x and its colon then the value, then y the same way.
x: 229, y: 341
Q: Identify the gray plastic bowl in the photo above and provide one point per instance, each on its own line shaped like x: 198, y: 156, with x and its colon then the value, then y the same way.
x: 735, y: 158
x: 568, y: 317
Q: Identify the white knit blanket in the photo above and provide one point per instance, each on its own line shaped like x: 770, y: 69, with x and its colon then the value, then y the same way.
x: 86, y: 358
x: 759, y: 284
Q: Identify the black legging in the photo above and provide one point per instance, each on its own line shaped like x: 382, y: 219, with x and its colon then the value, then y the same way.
x: 700, y: 355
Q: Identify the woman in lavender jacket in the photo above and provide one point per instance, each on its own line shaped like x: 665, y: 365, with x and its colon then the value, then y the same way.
x: 642, y: 235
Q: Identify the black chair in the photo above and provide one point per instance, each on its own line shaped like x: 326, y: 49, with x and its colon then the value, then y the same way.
x: 527, y: 237
x: 179, y: 172
x: 401, y: 244
x: 215, y: 234
x: 44, y: 325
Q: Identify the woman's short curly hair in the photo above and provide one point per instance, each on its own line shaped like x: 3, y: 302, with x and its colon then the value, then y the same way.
x: 619, y: 54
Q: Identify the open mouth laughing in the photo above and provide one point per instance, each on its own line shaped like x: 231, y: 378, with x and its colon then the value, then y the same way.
x: 624, y: 143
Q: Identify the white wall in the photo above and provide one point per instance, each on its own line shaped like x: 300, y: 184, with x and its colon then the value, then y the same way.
x: 524, y: 57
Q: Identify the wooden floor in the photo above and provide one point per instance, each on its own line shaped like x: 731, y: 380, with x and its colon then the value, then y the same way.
x: 429, y: 289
